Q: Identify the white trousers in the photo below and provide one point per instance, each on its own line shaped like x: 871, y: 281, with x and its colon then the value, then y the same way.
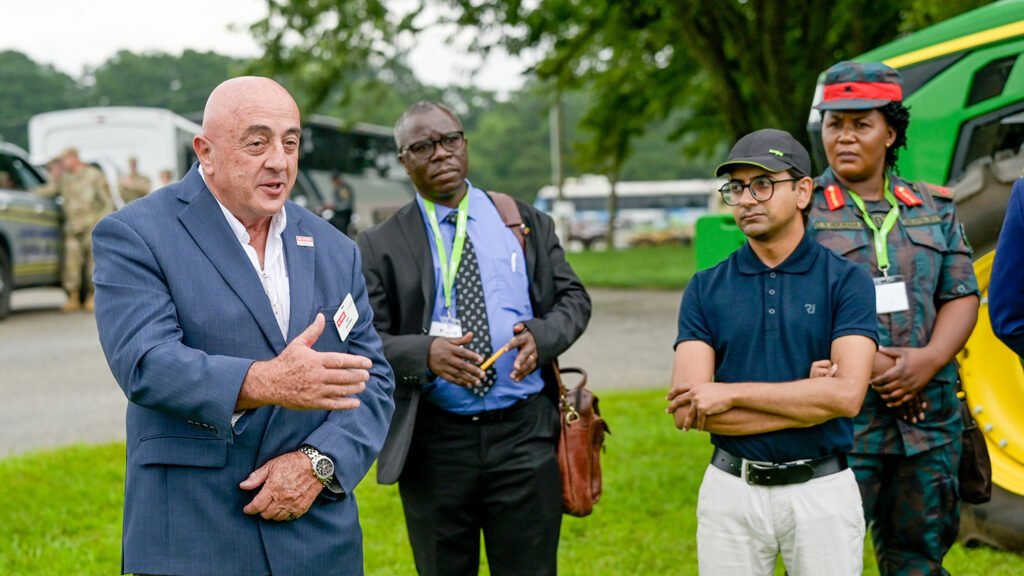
x: 817, y: 526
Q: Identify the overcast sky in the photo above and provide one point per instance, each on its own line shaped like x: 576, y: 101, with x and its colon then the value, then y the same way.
x: 71, y: 34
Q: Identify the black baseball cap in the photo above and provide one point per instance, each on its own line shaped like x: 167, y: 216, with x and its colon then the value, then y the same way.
x: 773, y: 150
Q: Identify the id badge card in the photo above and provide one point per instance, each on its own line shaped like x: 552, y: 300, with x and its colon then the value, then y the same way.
x: 345, y: 318
x: 446, y: 328
x: 890, y: 295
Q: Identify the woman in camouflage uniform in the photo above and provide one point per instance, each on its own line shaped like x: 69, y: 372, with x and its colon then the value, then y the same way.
x: 907, y: 435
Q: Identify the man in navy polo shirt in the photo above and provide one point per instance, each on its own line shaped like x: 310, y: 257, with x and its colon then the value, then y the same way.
x: 749, y: 331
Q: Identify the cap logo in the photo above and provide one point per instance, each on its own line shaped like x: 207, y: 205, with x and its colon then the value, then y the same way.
x: 776, y: 152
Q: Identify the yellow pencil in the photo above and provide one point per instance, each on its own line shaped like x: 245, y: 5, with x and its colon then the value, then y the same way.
x: 489, y: 361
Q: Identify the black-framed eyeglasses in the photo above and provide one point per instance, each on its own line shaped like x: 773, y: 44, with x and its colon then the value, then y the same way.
x: 424, y: 149
x: 761, y: 188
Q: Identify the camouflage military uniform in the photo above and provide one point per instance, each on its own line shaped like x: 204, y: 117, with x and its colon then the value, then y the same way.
x: 133, y: 187
x: 86, y: 201
x: 907, y: 472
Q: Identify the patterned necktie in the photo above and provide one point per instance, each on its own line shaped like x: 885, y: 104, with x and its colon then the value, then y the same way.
x: 472, y: 308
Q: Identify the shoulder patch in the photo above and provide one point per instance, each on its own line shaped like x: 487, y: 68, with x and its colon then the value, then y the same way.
x: 834, y: 197
x: 941, y: 191
x: 906, y: 196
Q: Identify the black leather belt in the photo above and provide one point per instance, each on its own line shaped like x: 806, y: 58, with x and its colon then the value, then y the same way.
x: 772, y: 474
x: 485, y: 417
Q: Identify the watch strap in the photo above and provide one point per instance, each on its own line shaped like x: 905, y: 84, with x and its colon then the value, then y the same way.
x: 315, y: 456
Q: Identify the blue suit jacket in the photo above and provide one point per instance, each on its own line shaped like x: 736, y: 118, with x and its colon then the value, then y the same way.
x: 182, y: 315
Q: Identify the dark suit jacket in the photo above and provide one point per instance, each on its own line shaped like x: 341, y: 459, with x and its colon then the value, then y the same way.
x: 182, y: 315
x: 399, y: 275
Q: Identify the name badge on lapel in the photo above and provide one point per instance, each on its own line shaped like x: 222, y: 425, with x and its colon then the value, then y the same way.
x: 346, y: 316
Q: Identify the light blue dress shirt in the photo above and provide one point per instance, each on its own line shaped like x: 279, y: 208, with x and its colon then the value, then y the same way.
x: 507, y: 292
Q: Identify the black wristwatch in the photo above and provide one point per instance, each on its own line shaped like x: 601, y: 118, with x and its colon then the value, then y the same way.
x: 323, y: 466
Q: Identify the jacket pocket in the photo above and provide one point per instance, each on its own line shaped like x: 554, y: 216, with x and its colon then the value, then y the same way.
x: 927, y: 237
x: 330, y: 340
x: 183, y: 451
x: 851, y: 243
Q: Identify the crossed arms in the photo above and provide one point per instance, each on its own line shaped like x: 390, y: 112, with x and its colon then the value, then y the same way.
x: 742, y: 408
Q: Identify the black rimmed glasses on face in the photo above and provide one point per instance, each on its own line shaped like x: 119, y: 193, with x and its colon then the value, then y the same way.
x: 761, y: 188
x: 424, y: 149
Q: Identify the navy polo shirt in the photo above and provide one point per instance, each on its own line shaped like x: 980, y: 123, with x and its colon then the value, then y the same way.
x: 770, y: 324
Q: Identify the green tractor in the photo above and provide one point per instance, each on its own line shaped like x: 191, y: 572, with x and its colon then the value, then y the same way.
x: 964, y: 85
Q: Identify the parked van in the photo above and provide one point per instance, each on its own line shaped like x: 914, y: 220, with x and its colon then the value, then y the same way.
x: 108, y: 136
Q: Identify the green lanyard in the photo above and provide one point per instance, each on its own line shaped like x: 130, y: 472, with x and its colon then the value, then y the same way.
x: 449, y: 270
x: 881, y: 248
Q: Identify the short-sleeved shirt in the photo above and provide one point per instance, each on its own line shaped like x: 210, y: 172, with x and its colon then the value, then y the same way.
x: 769, y: 324
x: 927, y: 247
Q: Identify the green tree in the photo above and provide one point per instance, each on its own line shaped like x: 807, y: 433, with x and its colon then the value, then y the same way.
x: 733, y: 65
x: 509, y: 145
x: 338, y: 50
x: 161, y: 80
x: 705, y: 72
x: 29, y: 88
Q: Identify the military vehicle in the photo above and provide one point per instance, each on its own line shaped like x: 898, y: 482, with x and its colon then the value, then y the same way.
x: 30, y: 228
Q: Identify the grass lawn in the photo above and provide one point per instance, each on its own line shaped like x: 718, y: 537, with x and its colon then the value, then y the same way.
x: 644, y: 524
x: 657, y: 267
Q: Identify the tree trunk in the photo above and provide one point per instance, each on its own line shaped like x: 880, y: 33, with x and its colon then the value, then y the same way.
x: 613, y: 209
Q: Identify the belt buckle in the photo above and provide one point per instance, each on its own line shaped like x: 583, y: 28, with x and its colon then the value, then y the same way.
x: 795, y: 472
x: 745, y: 466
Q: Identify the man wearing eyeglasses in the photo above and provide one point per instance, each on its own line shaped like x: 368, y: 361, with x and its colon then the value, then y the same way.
x: 749, y: 330
x: 451, y: 285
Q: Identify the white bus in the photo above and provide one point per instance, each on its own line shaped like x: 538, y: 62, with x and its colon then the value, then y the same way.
x: 646, y: 210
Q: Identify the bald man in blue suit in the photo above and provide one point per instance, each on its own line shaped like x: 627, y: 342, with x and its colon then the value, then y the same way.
x: 238, y: 326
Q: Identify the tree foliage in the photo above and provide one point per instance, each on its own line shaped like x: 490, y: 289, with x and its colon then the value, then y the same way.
x: 732, y: 66
x: 179, y: 83
x: 161, y: 80
x: 702, y: 73
x: 338, y: 49
x: 29, y: 88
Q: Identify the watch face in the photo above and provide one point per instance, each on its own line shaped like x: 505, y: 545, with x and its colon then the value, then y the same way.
x: 324, y: 468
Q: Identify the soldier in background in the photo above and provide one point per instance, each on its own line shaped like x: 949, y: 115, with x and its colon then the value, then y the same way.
x: 86, y: 199
x: 165, y: 178
x: 6, y: 181
x: 907, y: 236
x: 342, y: 203
x: 134, y: 185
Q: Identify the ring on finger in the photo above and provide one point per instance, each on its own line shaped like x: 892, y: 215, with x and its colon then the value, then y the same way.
x: 292, y: 517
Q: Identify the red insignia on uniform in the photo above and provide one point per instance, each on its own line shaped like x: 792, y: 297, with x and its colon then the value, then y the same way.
x: 941, y: 191
x: 834, y: 197
x: 906, y: 196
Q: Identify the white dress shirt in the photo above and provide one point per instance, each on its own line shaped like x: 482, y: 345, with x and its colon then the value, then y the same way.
x: 274, y: 273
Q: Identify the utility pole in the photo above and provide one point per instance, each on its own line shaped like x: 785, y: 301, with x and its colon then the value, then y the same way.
x: 559, y: 209
x: 555, y: 122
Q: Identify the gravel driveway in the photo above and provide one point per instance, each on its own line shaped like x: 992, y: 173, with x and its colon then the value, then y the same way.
x: 57, y: 388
